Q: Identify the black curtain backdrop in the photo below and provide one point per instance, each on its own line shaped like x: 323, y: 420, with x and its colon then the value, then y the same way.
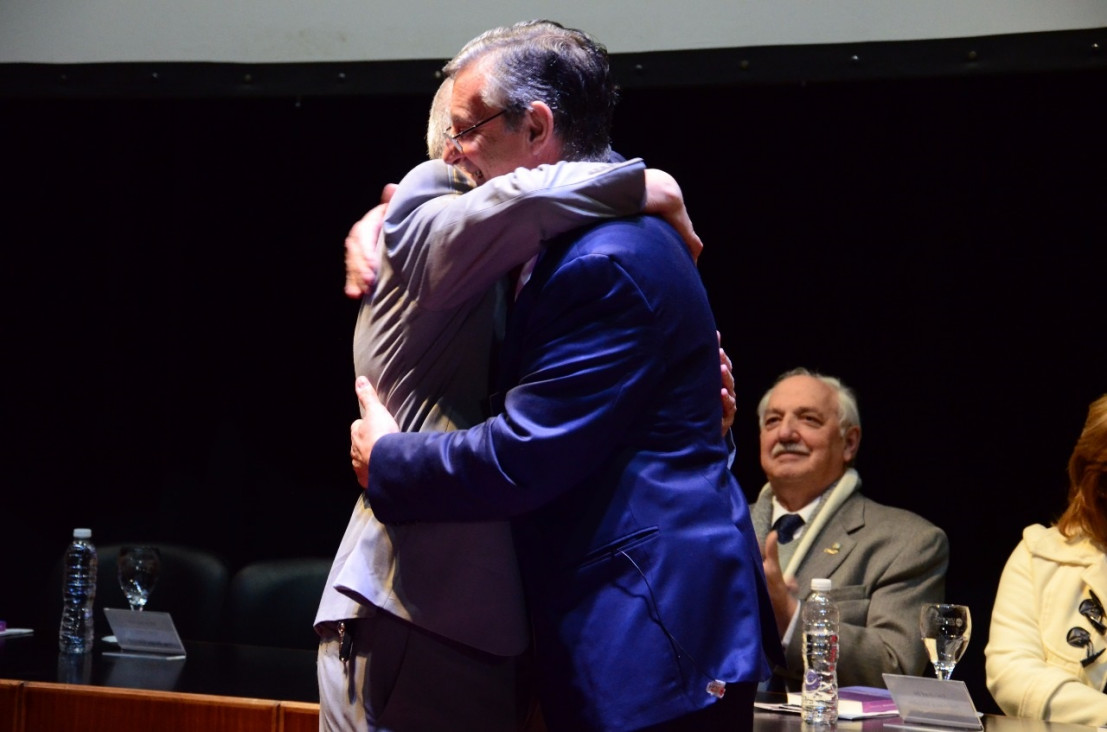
x: 177, y: 343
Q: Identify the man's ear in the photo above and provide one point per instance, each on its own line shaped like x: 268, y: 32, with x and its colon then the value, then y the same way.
x: 853, y: 442
x: 540, y: 125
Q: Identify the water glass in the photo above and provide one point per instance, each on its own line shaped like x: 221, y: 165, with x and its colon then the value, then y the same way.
x: 138, y: 573
x: 945, y: 630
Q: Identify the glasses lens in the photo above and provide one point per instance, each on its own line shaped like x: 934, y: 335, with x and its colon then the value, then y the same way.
x: 450, y: 140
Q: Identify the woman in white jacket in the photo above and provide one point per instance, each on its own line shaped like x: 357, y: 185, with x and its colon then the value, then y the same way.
x: 1045, y: 653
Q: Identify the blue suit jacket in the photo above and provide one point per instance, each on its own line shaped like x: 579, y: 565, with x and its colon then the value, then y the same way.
x: 643, y: 573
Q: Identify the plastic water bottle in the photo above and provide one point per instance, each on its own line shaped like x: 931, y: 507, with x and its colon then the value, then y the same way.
x: 820, y: 655
x: 78, y: 594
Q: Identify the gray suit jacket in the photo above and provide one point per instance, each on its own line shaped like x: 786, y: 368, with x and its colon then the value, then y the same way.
x: 425, y: 338
x: 885, y: 563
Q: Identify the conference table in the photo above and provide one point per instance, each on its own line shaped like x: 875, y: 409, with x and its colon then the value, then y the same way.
x: 217, y: 686
x: 239, y: 688
x: 765, y: 721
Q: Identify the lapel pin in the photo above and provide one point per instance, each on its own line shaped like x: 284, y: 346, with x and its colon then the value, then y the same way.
x: 833, y: 548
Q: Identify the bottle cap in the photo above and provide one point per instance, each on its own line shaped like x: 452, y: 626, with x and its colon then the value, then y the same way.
x: 82, y: 533
x: 821, y: 584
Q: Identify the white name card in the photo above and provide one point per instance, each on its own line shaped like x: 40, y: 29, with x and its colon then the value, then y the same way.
x: 145, y: 631
x: 930, y: 702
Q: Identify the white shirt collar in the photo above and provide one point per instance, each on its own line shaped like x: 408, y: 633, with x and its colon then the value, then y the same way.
x: 805, y: 513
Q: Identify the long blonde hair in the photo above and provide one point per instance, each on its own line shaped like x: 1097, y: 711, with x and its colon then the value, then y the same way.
x: 1087, y: 509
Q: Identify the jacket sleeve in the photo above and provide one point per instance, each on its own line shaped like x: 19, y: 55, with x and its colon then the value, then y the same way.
x: 1019, y: 677
x: 588, y: 370
x: 456, y: 246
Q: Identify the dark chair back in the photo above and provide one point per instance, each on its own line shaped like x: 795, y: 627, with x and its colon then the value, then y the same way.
x: 273, y: 602
x: 192, y: 587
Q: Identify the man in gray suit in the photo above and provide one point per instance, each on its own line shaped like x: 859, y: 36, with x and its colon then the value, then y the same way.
x: 813, y: 521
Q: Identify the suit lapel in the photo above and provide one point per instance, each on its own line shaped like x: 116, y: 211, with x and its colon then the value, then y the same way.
x: 761, y: 513
x: 835, y: 542
x: 519, y: 315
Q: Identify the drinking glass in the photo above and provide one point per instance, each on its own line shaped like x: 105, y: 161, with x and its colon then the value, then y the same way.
x: 138, y: 573
x: 946, y: 630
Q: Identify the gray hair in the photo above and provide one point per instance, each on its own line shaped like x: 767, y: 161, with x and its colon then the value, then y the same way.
x: 848, y: 414
x: 438, y: 122
x: 541, y: 60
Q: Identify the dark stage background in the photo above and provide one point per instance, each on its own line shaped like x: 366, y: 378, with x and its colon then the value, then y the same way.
x: 177, y: 343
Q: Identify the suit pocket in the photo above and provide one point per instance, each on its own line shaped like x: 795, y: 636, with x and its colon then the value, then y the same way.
x: 849, y: 593
x: 853, y: 603
x: 618, y: 546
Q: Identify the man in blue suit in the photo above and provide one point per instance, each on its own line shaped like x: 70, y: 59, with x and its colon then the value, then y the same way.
x: 642, y: 570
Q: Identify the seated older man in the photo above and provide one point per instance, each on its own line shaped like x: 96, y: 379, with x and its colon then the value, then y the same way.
x: 813, y: 521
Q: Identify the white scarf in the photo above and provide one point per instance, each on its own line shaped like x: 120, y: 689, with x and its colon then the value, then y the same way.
x: 846, y: 486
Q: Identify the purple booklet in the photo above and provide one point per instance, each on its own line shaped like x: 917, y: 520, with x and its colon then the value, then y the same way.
x: 855, y: 702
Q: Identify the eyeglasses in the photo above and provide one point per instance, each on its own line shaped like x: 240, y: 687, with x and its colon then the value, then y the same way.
x: 455, y: 139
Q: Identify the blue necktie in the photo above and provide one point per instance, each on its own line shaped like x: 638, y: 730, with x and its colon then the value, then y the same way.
x: 786, y: 527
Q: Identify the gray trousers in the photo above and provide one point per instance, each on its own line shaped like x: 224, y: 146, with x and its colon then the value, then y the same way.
x: 400, y: 678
